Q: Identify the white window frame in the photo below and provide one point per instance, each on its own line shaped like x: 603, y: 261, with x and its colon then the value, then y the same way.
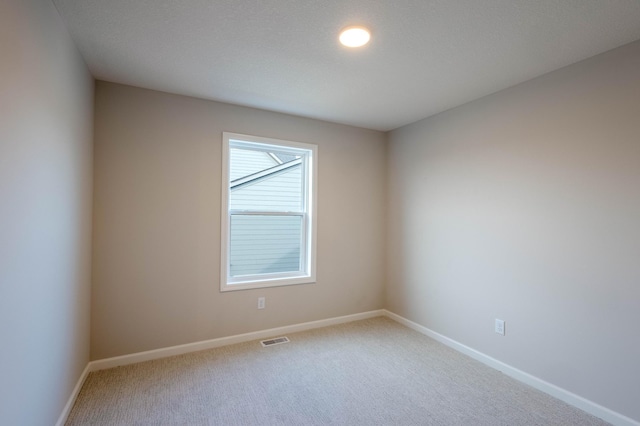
x: 309, y: 163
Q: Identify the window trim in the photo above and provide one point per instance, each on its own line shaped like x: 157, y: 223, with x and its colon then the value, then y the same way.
x: 308, y: 250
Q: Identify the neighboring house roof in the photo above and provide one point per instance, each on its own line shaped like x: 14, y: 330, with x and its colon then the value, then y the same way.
x: 282, y: 158
x: 265, y: 174
x: 252, y: 166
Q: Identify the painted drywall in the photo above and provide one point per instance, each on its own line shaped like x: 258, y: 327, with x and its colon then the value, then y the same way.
x: 157, y: 222
x: 46, y: 116
x: 525, y: 206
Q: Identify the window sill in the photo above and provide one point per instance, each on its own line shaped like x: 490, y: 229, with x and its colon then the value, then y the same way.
x: 263, y: 283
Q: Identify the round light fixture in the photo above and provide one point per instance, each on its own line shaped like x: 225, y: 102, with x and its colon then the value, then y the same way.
x: 355, y: 36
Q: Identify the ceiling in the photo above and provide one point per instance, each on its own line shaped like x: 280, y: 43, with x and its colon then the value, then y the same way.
x: 425, y: 56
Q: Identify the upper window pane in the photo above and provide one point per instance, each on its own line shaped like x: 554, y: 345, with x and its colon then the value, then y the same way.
x: 265, y: 181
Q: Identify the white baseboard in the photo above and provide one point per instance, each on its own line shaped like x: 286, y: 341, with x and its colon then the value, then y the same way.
x: 224, y: 341
x: 551, y: 389
x: 72, y: 398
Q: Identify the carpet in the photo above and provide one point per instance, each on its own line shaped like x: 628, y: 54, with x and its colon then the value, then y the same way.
x: 370, y: 372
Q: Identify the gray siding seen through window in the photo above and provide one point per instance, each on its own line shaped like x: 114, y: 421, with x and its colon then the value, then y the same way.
x: 265, y: 244
x: 281, y: 191
x: 262, y: 244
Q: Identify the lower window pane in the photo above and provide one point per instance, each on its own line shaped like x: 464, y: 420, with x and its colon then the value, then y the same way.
x: 265, y: 244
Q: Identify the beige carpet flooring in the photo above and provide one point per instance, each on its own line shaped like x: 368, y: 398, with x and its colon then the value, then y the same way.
x: 371, y: 372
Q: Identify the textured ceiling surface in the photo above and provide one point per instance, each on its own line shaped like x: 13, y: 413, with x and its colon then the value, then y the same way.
x: 425, y: 56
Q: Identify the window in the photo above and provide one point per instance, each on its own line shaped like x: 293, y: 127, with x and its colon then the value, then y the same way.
x: 268, y: 212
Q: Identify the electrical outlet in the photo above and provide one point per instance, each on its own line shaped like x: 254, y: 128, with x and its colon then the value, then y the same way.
x: 500, y: 326
x: 261, y: 302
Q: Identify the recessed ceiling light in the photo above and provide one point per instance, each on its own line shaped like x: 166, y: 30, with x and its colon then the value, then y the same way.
x: 355, y: 36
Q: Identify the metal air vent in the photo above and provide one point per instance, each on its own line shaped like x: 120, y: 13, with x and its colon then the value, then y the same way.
x: 275, y: 341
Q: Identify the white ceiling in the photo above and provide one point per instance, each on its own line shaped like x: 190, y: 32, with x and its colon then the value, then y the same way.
x: 425, y: 56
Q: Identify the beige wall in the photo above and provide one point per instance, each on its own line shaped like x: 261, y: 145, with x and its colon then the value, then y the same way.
x: 46, y: 115
x: 525, y: 206
x: 157, y: 222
